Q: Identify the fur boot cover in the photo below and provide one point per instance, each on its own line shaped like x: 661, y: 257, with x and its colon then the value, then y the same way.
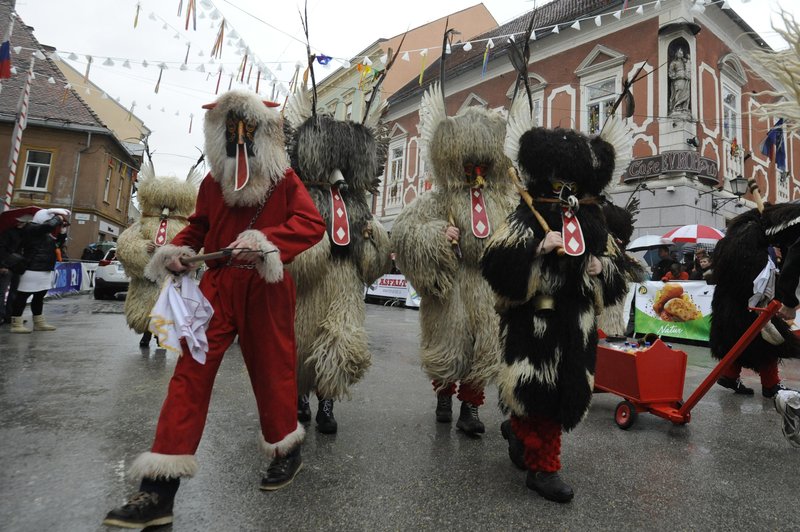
x: 549, y: 355
x: 337, y: 160
x: 165, y: 203
x: 459, y: 324
x: 738, y: 259
x: 167, y: 466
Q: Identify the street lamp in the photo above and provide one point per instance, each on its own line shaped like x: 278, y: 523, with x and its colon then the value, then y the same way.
x: 738, y: 188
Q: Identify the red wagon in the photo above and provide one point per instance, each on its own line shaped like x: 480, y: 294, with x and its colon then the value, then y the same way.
x: 651, y: 379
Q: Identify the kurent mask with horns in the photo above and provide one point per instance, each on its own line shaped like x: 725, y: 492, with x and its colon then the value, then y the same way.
x: 244, y: 144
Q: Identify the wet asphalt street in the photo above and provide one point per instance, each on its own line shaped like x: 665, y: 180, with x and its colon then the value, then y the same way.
x: 78, y: 404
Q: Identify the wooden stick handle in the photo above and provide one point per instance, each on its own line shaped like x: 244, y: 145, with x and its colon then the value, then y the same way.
x: 753, y: 187
x: 529, y: 201
x: 224, y: 252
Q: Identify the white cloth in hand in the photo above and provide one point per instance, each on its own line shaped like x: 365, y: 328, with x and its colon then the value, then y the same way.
x: 182, y: 311
x: 764, y: 284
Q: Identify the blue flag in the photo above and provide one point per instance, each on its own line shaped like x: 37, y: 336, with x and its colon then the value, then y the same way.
x: 774, y: 141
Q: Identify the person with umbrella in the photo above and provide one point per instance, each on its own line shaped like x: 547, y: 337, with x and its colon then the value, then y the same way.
x: 664, y: 263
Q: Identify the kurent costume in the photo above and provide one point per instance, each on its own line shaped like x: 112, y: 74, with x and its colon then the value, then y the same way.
x: 549, y: 302
x: 743, y: 255
x: 250, y: 199
x: 165, y: 204
x: 338, y: 162
x: 472, y: 192
x: 739, y: 258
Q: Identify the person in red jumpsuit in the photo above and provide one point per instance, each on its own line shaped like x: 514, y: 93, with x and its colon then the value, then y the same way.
x: 253, y: 203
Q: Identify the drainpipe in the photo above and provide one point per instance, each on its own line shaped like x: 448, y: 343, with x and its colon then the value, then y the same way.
x: 75, y: 178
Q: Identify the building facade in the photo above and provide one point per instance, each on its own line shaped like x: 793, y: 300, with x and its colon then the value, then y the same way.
x: 695, y: 124
x: 68, y: 157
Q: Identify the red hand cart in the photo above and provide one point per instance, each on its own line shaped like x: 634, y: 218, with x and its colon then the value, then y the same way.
x: 651, y: 380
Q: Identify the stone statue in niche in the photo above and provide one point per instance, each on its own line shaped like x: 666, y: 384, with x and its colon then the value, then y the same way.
x: 680, y: 82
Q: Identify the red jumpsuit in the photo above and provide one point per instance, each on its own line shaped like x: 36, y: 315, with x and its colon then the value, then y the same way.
x: 261, y: 313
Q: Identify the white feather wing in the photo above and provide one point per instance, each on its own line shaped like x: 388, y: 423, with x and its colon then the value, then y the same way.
x: 520, y: 120
x: 619, y: 135
x: 298, y: 108
x: 431, y: 114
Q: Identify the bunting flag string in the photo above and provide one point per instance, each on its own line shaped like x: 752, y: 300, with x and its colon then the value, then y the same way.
x: 216, y: 51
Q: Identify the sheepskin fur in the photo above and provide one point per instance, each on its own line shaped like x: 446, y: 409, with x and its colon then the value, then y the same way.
x: 156, y: 270
x: 154, y: 194
x: 738, y: 259
x: 156, y: 465
x: 458, y: 322
x: 332, y: 349
x: 269, y: 161
x: 550, y: 355
x: 270, y: 267
x: 283, y: 447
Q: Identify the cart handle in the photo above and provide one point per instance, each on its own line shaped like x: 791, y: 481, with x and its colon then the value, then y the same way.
x: 765, y: 316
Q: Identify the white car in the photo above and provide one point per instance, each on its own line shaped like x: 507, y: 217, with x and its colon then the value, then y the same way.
x: 110, y: 277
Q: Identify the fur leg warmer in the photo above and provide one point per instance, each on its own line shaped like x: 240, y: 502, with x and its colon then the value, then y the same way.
x: 164, y: 466
x: 444, y: 389
x: 285, y: 446
x: 270, y: 267
x: 541, y: 437
x: 470, y: 393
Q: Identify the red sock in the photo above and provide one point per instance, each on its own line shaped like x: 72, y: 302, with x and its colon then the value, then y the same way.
x: 469, y: 393
x: 769, y: 374
x: 733, y: 371
x: 541, y: 437
x: 450, y: 389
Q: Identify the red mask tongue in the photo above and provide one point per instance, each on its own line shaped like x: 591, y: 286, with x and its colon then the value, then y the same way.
x: 242, y: 167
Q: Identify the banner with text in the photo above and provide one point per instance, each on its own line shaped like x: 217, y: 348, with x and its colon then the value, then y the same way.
x: 674, y: 309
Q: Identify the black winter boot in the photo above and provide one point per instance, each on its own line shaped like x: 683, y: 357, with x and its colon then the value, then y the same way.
x: 145, y: 340
x: 549, y: 485
x: 151, y: 506
x: 326, y: 423
x: 516, y: 449
x: 468, y: 420
x: 282, y: 470
x: 303, y: 409
x: 444, y: 407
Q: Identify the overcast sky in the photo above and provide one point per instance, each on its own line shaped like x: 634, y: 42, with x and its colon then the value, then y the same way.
x: 271, y: 30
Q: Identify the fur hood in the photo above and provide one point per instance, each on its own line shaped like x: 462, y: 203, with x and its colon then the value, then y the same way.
x: 177, y: 195
x: 268, y: 162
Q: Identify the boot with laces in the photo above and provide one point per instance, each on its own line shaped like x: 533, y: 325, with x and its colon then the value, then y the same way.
x: 770, y: 392
x: 444, y: 407
x: 303, y: 409
x: 468, y: 419
x: 282, y: 470
x: 549, y: 485
x: 142, y: 510
x: 735, y: 384
x: 326, y: 423
x: 516, y: 449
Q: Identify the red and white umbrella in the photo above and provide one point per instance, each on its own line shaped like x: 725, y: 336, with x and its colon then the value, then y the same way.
x: 695, y: 234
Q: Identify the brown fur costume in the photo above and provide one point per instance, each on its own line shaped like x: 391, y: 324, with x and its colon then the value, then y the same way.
x: 155, y: 194
x: 332, y: 350
x: 459, y: 324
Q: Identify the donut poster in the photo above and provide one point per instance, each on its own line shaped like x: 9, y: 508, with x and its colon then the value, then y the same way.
x: 674, y: 309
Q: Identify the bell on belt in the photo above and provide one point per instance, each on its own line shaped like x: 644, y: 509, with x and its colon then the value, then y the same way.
x: 543, y: 303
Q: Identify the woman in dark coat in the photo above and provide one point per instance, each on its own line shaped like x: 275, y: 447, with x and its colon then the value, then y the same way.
x: 40, y: 240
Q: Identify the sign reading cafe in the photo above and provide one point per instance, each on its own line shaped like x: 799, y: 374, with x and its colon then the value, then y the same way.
x: 672, y: 161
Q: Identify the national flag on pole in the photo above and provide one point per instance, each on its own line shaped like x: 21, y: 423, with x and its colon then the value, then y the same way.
x: 774, y: 146
x: 5, y: 60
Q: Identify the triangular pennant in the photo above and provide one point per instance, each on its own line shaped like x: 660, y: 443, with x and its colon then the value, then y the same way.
x: 17, y: 49
x: 51, y: 80
x: 126, y: 64
x: 555, y: 29
x: 598, y: 20
x: 467, y: 46
x: 617, y: 14
x: 39, y: 55
x: 640, y: 10
x: 108, y: 62
x: 405, y: 57
x: 576, y: 25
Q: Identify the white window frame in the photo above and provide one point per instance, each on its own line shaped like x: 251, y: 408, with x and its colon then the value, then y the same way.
x: 730, y: 88
x: 37, y: 168
x: 119, y: 191
x: 605, y: 102
x: 395, y: 171
x: 109, y: 172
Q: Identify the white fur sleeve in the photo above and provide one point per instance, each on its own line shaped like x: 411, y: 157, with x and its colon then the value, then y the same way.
x: 271, y: 267
x: 156, y: 270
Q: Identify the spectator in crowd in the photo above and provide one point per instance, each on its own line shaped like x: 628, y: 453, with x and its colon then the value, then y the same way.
x: 703, y: 272
x: 92, y: 252
x: 675, y: 273
x: 11, y: 265
x: 40, y: 241
x: 663, y: 265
